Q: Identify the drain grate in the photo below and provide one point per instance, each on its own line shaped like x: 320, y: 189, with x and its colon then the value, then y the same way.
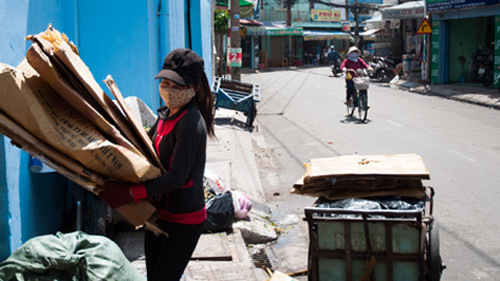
x: 260, y: 259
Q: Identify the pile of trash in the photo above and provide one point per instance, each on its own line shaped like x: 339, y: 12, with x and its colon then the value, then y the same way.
x: 52, y: 107
x: 369, y: 204
x: 224, y: 206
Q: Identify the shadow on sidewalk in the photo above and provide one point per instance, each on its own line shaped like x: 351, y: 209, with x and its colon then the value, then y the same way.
x: 232, y: 122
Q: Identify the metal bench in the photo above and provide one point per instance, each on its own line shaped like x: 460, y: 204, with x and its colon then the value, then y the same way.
x: 237, y: 95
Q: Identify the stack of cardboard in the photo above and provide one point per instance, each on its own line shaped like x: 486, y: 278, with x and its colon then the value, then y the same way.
x: 356, y: 176
x: 52, y: 107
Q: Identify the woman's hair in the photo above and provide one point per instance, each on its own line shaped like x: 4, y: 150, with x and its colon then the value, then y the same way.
x: 205, y: 100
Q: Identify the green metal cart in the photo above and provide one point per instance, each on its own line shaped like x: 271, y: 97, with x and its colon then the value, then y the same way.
x: 403, y: 245
x: 237, y: 95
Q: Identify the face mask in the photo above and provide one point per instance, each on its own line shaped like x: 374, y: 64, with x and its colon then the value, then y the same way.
x: 353, y: 56
x: 176, y: 98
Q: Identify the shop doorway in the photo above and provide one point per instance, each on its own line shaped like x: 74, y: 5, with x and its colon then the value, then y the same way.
x: 471, y: 44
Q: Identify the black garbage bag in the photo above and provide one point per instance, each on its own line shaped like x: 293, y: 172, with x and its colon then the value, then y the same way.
x: 220, y: 212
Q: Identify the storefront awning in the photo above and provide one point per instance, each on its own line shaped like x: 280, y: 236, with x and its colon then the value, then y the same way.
x: 369, y: 35
x: 225, y: 3
x: 250, y: 22
x: 274, y: 31
x: 310, y: 35
x: 313, y: 25
x: 408, y: 10
x: 370, y: 32
x: 377, y: 22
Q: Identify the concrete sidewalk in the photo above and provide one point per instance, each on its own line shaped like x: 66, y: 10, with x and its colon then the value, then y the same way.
x: 470, y: 93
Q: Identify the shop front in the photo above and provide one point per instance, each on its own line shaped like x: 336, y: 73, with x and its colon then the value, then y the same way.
x: 323, y: 29
x: 465, y: 42
x: 273, y: 45
x: 317, y: 43
x: 383, y: 36
x: 411, y: 15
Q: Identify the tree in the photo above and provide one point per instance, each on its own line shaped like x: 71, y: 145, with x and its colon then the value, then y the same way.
x: 221, y: 25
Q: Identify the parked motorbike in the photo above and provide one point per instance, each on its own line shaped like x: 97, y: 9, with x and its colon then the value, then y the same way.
x: 485, y: 72
x: 383, y: 68
x: 497, y: 80
x: 335, y: 67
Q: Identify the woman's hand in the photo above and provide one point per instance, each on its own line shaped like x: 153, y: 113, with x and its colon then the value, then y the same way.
x: 116, y: 194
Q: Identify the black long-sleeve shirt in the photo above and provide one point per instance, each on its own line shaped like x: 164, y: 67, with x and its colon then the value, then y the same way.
x: 180, y: 142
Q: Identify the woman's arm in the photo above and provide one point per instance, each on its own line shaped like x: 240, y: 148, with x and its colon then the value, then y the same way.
x: 363, y: 63
x: 344, y: 64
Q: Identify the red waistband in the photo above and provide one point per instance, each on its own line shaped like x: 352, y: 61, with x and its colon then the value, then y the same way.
x: 192, y: 218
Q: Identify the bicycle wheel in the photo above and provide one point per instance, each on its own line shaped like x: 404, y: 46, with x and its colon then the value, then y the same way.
x: 351, y: 105
x: 363, y: 106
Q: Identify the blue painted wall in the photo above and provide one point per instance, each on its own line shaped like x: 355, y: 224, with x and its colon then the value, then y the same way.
x: 4, y: 205
x: 127, y: 39
x: 201, y: 32
x: 26, y: 199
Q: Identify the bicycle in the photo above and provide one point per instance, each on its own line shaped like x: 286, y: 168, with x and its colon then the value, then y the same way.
x: 359, y: 98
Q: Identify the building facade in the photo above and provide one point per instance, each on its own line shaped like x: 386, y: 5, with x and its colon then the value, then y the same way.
x: 465, y: 40
x: 127, y: 39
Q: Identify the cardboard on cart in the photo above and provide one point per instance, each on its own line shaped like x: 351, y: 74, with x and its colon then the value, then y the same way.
x: 360, y: 176
x: 398, y: 165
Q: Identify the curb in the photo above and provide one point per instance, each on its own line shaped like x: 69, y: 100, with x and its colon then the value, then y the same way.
x: 448, y: 94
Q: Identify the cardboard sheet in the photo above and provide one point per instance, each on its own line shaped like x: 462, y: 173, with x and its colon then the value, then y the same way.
x: 134, y: 123
x: 66, y: 120
x: 403, y: 165
x: 33, y: 104
x: 45, y: 152
x: 48, y: 72
x: 62, y: 55
x: 357, y: 176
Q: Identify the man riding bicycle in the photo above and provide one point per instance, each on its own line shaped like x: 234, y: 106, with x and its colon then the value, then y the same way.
x: 351, y: 65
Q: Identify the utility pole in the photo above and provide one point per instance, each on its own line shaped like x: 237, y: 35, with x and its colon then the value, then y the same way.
x: 356, y: 26
x: 289, y: 23
x: 289, y: 12
x: 347, y: 17
x: 235, y: 35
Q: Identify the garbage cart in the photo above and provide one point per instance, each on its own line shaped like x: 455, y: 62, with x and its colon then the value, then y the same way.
x: 374, y: 244
x: 237, y: 95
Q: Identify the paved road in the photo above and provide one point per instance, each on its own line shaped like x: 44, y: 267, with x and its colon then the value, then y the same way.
x: 301, y: 116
